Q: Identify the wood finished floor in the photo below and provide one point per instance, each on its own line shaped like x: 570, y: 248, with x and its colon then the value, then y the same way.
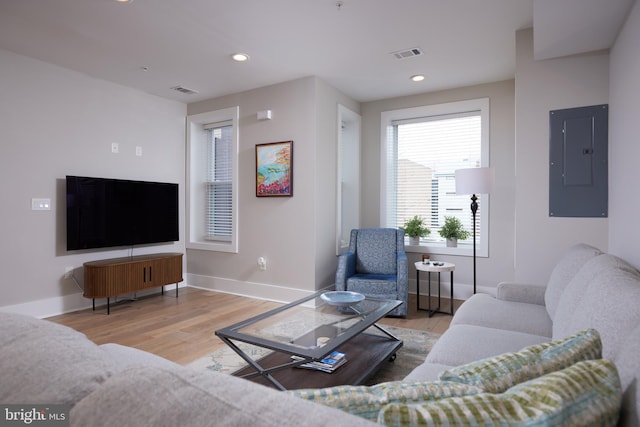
x: 182, y: 329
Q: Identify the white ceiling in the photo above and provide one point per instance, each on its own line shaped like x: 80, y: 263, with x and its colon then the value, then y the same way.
x: 153, y: 45
x: 570, y: 27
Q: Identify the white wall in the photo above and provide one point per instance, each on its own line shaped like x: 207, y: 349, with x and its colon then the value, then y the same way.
x: 499, y: 265
x: 624, y: 142
x: 542, y: 86
x: 326, y: 171
x: 55, y: 122
x: 294, y: 234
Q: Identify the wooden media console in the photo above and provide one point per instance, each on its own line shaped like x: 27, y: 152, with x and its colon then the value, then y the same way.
x: 118, y: 276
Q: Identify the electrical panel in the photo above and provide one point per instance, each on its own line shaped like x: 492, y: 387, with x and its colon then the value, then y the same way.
x: 578, y: 167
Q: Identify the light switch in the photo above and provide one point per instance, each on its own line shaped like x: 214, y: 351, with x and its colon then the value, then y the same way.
x: 40, y: 204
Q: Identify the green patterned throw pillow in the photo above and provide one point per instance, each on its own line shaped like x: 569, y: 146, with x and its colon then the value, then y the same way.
x: 499, y: 373
x: 367, y: 402
x: 585, y: 394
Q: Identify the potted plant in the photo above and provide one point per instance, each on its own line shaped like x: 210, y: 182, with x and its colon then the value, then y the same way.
x: 452, y: 230
x: 415, y: 229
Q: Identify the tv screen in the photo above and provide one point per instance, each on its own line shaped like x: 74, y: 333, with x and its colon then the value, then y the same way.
x: 105, y: 212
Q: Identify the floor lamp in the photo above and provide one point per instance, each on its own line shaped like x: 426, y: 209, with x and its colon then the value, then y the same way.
x: 474, y: 181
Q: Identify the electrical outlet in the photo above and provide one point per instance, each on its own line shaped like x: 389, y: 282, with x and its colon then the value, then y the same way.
x: 115, y: 147
x: 262, y: 263
x: 68, y: 272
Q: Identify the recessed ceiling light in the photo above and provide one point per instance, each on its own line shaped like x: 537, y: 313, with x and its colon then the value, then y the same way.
x: 123, y: 1
x: 417, y: 78
x: 240, y: 57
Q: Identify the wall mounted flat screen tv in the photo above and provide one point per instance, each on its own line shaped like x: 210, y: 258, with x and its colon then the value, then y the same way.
x: 105, y: 212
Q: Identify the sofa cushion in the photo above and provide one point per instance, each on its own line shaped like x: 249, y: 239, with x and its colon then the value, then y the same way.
x: 628, y: 363
x: 587, y: 393
x: 179, y: 396
x: 499, y: 373
x: 485, y: 310
x: 367, y: 402
x: 46, y: 363
x: 606, y: 306
x: 566, y: 268
x: 467, y: 343
x: 596, y: 270
x: 426, y: 372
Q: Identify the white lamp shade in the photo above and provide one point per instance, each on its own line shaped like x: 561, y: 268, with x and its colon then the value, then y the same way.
x: 474, y: 181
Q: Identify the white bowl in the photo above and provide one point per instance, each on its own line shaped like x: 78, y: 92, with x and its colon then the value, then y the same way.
x: 342, y: 298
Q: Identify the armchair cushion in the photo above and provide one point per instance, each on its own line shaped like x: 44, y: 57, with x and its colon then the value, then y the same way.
x: 376, y: 251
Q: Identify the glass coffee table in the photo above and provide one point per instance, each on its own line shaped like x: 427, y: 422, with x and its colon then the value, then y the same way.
x: 310, y: 329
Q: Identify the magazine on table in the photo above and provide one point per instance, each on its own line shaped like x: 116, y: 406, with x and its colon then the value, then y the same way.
x: 329, y: 363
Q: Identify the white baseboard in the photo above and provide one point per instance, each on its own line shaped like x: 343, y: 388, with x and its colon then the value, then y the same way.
x: 461, y: 291
x: 59, y: 305
x: 65, y: 304
x: 247, y: 289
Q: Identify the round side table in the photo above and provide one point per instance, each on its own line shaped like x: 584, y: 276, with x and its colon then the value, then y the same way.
x: 431, y: 268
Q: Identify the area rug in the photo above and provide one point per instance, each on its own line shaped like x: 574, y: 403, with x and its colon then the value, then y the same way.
x: 416, y: 346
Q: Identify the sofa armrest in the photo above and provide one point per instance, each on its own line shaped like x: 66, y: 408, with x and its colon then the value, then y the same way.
x: 521, y: 292
x: 402, y: 266
x: 124, y: 357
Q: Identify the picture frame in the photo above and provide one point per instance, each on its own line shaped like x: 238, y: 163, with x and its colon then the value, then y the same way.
x: 274, y: 169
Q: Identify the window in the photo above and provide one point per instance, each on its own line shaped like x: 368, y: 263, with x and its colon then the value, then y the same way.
x: 422, y: 148
x: 212, y: 185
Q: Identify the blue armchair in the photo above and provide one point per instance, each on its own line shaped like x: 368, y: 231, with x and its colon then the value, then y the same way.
x: 375, y: 266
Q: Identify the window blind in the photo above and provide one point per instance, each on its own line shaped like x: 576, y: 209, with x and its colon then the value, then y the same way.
x: 219, y: 182
x: 423, y: 155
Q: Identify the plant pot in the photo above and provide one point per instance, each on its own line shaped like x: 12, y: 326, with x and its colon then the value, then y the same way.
x: 452, y: 242
x: 414, y: 241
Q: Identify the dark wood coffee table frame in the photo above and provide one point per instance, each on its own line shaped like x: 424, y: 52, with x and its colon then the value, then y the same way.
x: 365, y: 351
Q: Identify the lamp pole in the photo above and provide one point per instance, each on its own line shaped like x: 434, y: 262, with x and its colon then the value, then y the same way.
x: 474, y: 209
x: 475, y: 181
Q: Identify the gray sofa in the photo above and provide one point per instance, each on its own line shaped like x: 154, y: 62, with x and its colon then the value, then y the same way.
x: 113, y: 385
x: 587, y: 289
x: 46, y: 363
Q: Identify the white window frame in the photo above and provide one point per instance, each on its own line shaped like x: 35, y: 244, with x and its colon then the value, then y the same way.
x: 465, y: 248
x: 196, y: 177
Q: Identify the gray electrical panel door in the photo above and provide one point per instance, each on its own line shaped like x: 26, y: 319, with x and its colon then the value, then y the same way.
x: 578, y: 171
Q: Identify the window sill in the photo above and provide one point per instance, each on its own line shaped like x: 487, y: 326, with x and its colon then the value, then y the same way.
x: 209, y: 246
x: 463, y: 249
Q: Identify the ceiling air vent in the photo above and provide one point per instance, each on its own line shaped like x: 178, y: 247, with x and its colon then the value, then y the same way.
x: 184, y: 90
x: 407, y: 53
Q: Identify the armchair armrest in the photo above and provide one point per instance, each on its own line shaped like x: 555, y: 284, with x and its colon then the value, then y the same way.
x: 402, y: 266
x: 521, y: 292
x: 346, y: 269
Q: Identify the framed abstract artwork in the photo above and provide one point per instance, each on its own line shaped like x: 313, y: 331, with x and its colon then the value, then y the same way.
x: 274, y: 169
